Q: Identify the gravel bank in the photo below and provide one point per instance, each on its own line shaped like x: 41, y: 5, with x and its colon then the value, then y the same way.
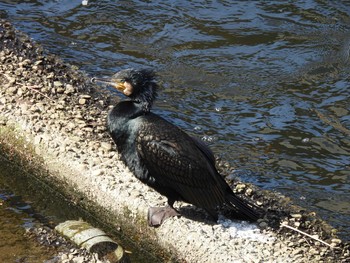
x: 61, y: 117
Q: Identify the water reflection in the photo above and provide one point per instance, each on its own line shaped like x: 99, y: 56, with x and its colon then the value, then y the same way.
x: 15, y: 244
x: 277, y: 72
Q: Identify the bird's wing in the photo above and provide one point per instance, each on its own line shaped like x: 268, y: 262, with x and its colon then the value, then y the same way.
x: 205, y: 150
x: 175, y: 161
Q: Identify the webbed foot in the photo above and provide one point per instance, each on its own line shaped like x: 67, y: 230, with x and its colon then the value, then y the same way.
x: 157, y: 215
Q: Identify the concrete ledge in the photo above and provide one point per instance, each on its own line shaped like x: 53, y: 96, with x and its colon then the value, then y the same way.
x: 54, y: 120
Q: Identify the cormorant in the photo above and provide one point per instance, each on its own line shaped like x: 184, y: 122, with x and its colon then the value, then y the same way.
x: 163, y: 156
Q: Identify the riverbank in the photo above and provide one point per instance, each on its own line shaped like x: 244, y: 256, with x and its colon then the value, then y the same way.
x: 53, y: 119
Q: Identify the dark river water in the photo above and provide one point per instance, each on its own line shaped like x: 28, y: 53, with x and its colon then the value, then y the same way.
x: 265, y: 83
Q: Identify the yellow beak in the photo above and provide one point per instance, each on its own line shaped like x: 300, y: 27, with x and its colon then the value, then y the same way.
x: 119, y: 84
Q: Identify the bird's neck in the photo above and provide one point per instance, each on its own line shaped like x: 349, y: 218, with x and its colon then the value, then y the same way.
x: 144, y: 106
x: 127, y: 110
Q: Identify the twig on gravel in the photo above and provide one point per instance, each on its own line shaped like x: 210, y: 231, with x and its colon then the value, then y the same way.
x: 34, y: 87
x: 306, y: 234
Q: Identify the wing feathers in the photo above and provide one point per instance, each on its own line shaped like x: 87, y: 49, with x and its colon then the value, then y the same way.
x: 186, y: 165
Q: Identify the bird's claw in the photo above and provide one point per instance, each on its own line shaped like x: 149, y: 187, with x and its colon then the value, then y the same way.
x: 157, y: 215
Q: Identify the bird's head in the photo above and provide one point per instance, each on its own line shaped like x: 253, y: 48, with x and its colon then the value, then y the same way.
x: 139, y: 85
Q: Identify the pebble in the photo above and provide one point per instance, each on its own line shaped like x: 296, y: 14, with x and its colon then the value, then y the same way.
x: 69, y: 89
x: 11, y: 90
x: 60, y: 90
x: 263, y: 225
x: 106, y: 146
x: 57, y: 84
x: 37, y: 139
x: 249, y: 192
x: 11, y: 80
x: 97, y: 172
x: 240, y: 188
x: 305, y: 140
x: 336, y: 241
x: 79, y: 260
x: 85, y: 96
x: 38, y: 62
x: 296, y: 224
x: 296, y: 215
x: 82, y: 101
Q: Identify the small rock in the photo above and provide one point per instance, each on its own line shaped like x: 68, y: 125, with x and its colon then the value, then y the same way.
x: 263, y: 225
x: 249, y: 192
x: 60, y: 107
x: 38, y: 62
x: 11, y: 80
x: 79, y: 259
x: 314, y: 251
x: 240, y: 188
x: 82, y: 101
x: 18, y: 72
x: 50, y: 75
x: 11, y: 90
x: 2, y: 122
x: 296, y: 215
x: 97, y: 172
x: 305, y: 140
x: 76, y: 138
x: 57, y: 84
x: 60, y: 90
x: 37, y: 139
x: 69, y: 89
x: 85, y: 96
x: 19, y: 92
x: 336, y: 241
x: 106, y: 146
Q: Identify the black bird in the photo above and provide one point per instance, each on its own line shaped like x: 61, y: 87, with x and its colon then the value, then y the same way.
x: 164, y: 157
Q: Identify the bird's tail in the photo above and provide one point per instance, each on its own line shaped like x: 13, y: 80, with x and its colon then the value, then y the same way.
x: 242, y: 208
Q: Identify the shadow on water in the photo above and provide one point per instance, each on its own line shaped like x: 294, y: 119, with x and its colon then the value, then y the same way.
x: 265, y: 83
x: 24, y: 202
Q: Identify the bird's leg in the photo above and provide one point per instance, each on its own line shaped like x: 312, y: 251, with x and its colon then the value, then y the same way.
x: 157, y: 215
